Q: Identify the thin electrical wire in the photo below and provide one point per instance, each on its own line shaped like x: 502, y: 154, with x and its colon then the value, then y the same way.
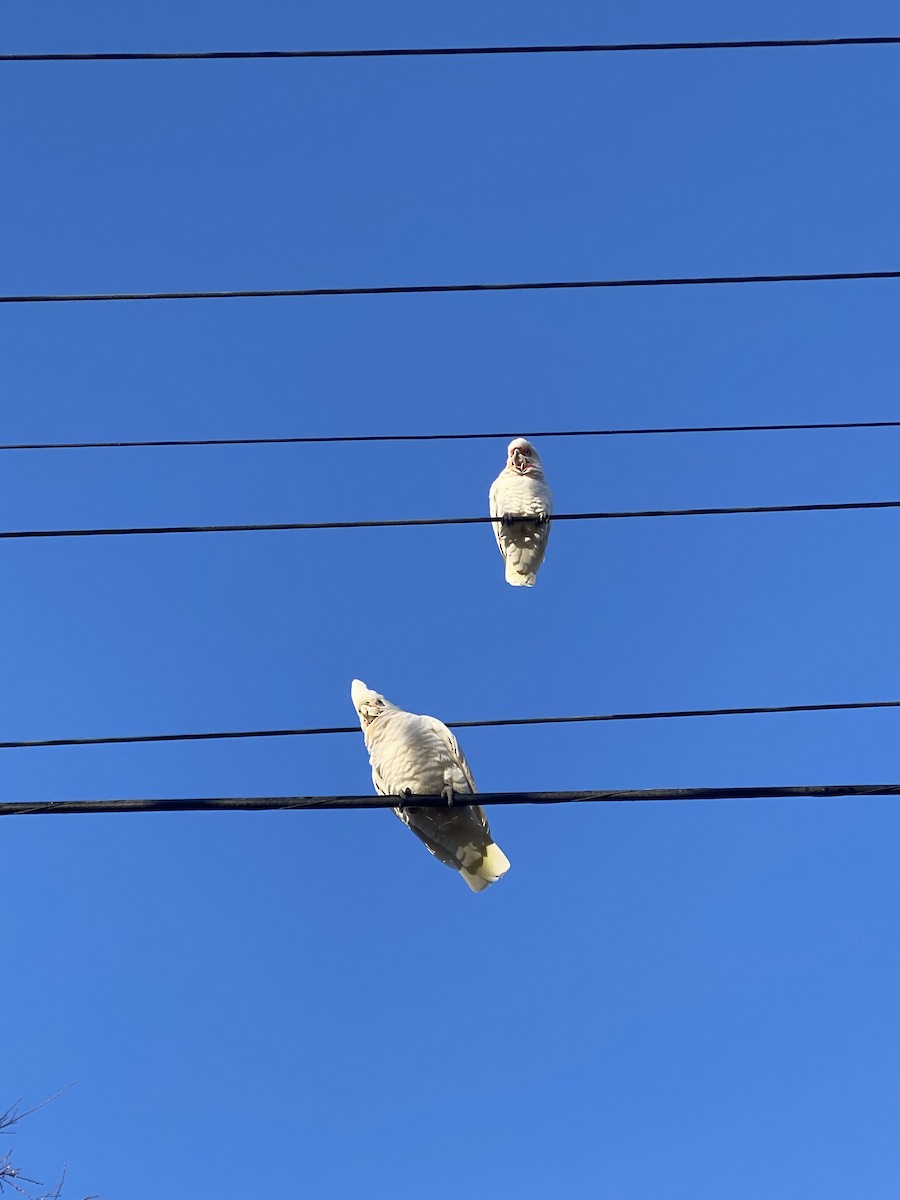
x: 433, y: 288
x: 447, y: 51
x: 318, y: 731
x: 272, y: 803
x: 305, y: 526
x: 446, y: 437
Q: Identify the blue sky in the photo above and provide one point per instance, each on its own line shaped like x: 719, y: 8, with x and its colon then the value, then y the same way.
x: 689, y: 1001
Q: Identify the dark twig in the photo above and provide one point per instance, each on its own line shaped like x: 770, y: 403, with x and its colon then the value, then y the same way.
x: 10, y: 1175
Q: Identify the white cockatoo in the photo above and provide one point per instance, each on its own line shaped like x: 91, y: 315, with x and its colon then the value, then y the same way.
x: 419, y: 756
x: 521, y: 506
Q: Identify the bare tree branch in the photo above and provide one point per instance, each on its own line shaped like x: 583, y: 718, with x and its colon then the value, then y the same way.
x: 11, y: 1177
x: 12, y: 1115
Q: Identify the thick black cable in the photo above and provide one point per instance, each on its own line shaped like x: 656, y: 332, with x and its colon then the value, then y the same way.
x: 447, y: 51
x: 287, y: 526
x: 433, y: 288
x: 664, y: 714
x: 270, y: 803
x: 445, y: 437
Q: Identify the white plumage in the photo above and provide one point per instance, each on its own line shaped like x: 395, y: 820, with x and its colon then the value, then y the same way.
x: 520, y: 490
x: 416, y: 755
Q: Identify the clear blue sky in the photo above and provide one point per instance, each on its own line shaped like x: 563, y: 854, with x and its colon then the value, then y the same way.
x: 658, y: 1002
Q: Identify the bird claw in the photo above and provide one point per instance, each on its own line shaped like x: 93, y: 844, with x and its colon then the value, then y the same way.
x: 402, y: 797
x: 447, y: 794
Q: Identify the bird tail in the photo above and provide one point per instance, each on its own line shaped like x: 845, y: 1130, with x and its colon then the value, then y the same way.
x: 517, y: 577
x: 493, y: 865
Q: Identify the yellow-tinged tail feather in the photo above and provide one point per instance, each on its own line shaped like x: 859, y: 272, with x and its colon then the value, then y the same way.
x: 494, y: 865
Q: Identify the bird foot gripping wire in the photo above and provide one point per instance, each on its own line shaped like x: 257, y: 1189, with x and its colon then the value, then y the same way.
x: 447, y: 794
x: 509, y: 520
x: 402, y: 797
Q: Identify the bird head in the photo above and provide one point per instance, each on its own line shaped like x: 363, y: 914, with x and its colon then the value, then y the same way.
x: 522, y: 457
x: 369, y: 705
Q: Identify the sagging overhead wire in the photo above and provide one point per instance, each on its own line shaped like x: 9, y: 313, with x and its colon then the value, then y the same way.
x: 323, y: 730
x: 448, y: 51
x: 276, y: 803
x: 446, y: 437
x: 446, y: 288
x: 305, y: 526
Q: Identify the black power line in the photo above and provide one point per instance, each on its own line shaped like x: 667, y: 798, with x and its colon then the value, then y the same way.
x: 444, y: 437
x: 270, y: 803
x: 448, y: 51
x: 232, y: 735
x: 284, y: 526
x: 432, y: 288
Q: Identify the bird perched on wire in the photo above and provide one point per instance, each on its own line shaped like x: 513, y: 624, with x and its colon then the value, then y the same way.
x: 416, y: 755
x: 521, y: 506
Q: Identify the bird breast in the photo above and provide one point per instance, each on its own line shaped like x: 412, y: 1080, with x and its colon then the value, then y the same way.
x: 408, y: 753
x: 524, y: 494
